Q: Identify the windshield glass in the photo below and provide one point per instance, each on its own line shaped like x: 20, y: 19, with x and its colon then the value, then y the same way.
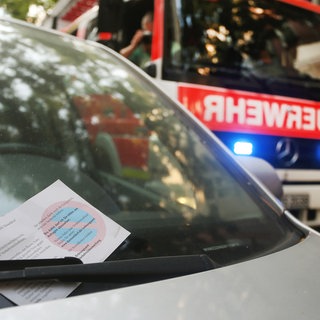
x: 259, y: 38
x: 74, y: 112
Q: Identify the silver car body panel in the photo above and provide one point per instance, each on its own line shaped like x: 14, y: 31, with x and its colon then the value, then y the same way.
x: 283, y: 285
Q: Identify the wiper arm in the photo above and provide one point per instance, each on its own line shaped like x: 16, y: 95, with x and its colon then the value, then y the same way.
x: 116, y: 271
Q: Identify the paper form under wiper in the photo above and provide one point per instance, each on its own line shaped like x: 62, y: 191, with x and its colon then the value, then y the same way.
x: 55, y: 223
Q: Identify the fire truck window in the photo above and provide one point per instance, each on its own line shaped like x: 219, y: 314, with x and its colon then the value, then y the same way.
x: 267, y: 38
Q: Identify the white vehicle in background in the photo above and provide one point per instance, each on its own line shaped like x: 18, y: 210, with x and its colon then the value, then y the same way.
x: 85, y: 26
x: 248, y: 70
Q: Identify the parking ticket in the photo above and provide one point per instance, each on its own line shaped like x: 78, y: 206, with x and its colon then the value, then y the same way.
x: 55, y: 223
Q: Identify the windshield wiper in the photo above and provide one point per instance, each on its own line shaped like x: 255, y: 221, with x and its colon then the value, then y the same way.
x: 115, y: 271
x: 6, y: 265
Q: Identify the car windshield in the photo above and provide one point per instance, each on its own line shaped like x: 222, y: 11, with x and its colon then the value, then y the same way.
x: 76, y: 112
x: 268, y: 39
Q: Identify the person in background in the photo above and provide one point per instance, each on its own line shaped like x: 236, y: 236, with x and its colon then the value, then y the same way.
x: 139, y: 49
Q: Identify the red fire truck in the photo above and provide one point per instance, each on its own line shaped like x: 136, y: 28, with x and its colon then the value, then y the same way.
x: 249, y: 70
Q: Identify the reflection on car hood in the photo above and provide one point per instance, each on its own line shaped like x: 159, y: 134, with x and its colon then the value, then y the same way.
x: 284, y: 285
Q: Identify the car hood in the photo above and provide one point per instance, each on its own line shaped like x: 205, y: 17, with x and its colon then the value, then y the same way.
x: 283, y: 285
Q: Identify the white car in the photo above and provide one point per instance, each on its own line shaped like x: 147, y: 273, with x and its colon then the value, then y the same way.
x: 207, y: 239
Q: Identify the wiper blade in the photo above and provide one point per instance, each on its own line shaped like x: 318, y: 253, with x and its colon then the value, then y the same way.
x: 25, y: 263
x: 116, y: 271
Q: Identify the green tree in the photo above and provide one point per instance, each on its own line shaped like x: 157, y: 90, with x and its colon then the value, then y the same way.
x: 19, y: 8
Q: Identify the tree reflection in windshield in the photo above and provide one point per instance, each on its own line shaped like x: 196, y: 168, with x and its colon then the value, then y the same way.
x: 72, y: 112
x: 64, y: 114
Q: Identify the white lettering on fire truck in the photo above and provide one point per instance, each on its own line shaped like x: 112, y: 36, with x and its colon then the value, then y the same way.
x: 256, y: 112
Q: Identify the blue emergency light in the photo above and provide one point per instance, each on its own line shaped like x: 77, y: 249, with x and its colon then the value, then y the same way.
x: 243, y: 148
